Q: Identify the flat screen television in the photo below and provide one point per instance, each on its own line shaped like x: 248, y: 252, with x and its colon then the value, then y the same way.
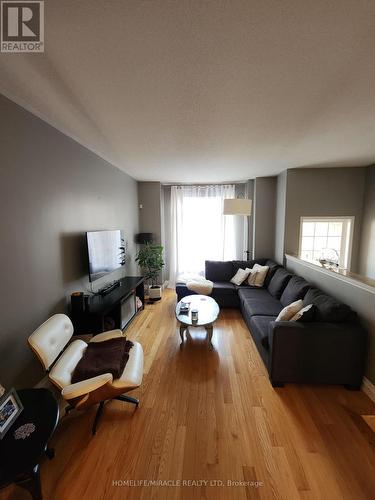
x: 105, y: 252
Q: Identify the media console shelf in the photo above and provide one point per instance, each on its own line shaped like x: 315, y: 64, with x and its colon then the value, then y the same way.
x: 108, y: 312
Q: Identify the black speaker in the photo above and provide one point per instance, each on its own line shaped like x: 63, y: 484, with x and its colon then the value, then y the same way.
x: 77, y: 302
x: 143, y: 238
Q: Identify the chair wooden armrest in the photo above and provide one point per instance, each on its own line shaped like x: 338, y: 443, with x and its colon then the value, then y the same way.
x: 111, y: 334
x: 85, y: 386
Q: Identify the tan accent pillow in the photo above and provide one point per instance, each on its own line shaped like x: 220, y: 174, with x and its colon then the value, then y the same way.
x: 252, y: 276
x: 257, y: 275
x: 240, y: 276
x: 290, y: 311
x: 303, y: 311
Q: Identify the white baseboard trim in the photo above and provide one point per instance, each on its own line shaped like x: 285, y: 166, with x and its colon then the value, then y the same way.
x: 368, y: 388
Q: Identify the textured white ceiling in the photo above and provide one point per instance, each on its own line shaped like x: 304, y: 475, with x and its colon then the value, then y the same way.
x: 206, y: 90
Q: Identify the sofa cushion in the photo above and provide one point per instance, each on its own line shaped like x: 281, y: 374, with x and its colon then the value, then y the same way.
x: 278, y: 282
x: 259, y: 328
x: 223, y: 288
x: 248, y: 292
x: 262, y: 307
x: 273, y: 266
x: 327, y: 309
x: 218, y: 270
x: 296, y: 289
x: 245, y: 286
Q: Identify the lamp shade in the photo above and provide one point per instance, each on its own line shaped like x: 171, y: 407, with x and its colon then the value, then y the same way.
x: 237, y: 206
x: 143, y: 238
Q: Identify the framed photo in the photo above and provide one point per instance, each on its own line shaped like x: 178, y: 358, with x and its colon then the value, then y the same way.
x: 10, y: 408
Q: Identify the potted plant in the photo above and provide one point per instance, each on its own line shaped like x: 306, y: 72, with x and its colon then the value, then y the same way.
x: 150, y: 259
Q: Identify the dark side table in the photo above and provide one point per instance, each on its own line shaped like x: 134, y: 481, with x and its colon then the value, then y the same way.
x: 20, y: 458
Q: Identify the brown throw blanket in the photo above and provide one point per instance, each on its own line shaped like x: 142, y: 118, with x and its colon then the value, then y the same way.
x: 109, y: 356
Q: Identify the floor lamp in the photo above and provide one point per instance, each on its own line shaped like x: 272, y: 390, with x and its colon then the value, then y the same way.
x: 238, y: 206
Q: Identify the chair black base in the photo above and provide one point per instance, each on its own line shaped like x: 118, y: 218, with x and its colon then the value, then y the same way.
x: 123, y: 398
x: 127, y: 399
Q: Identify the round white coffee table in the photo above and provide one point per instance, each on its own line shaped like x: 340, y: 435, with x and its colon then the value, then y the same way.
x: 208, y: 311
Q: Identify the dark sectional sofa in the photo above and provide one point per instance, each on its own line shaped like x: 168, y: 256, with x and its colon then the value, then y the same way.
x: 329, y: 349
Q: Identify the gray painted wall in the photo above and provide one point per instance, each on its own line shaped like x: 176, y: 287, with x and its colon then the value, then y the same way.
x: 324, y: 192
x: 149, y: 196
x: 362, y: 301
x: 280, y: 217
x: 52, y: 190
x: 264, y: 216
x: 367, y: 246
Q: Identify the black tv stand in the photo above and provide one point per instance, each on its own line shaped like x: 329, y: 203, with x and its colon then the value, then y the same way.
x: 108, y: 288
x: 110, y: 310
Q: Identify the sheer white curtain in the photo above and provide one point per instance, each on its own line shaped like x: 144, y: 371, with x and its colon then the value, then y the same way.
x: 199, y: 230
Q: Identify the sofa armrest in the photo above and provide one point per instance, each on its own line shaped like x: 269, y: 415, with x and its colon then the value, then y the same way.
x: 85, y: 386
x: 111, y: 334
x: 317, y: 352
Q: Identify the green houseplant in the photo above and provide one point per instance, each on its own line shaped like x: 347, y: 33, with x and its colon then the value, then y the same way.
x: 150, y: 259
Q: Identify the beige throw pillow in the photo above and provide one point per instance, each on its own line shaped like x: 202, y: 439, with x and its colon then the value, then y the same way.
x: 257, y: 275
x: 240, y: 276
x: 300, y: 313
x: 252, y: 276
x: 290, y: 311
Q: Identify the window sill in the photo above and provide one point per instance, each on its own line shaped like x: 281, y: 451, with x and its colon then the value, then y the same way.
x: 340, y: 274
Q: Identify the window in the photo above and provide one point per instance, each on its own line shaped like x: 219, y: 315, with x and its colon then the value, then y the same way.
x: 204, y: 234
x: 323, y: 234
x: 199, y: 230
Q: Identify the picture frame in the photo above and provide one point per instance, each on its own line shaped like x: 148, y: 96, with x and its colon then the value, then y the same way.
x: 10, y: 408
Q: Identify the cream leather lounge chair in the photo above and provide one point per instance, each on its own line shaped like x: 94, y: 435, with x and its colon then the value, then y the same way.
x: 48, y: 343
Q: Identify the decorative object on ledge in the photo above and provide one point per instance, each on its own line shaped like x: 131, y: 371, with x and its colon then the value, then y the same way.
x: 237, y: 206
x: 329, y: 258
x: 354, y: 279
x: 10, y: 408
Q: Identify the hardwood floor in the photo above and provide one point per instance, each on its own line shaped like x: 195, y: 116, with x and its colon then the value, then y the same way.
x: 213, y: 416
